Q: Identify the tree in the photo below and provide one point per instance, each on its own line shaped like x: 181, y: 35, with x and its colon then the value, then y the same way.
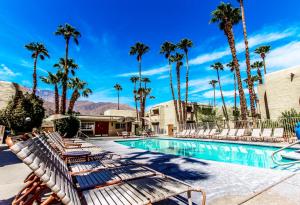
x: 184, y: 45
x: 38, y: 51
x: 118, y: 88
x: 232, y: 69
x: 134, y: 79
x: 68, y: 126
x: 219, y: 67
x: 213, y: 84
x: 145, y: 81
x: 167, y: 48
x: 262, y: 51
x: 178, y: 59
x: 54, y: 79
x: 258, y: 65
x: 139, y: 49
x: 79, y: 89
x: 71, y: 67
x: 248, y: 70
x: 227, y: 16
x: 68, y: 32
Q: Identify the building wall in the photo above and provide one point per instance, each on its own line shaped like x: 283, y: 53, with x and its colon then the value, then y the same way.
x: 123, y: 113
x: 7, y: 91
x: 283, y: 93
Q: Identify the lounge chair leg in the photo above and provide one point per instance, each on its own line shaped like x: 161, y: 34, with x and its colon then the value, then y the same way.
x: 189, y: 196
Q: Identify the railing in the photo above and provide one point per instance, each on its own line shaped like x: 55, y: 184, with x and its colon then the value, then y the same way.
x: 287, y: 123
x: 281, y: 149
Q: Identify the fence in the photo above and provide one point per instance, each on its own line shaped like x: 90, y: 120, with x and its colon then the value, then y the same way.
x: 287, y: 123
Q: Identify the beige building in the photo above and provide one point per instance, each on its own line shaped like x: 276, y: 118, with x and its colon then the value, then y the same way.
x: 280, y: 92
x: 109, y: 124
x: 7, y: 91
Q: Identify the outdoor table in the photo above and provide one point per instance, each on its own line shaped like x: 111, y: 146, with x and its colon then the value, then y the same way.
x: 76, y: 154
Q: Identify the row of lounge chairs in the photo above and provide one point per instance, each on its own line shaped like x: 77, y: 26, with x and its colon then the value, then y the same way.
x: 61, y: 173
x: 267, y: 134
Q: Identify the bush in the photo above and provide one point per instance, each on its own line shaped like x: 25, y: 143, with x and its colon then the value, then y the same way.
x: 68, y: 126
x: 20, y: 109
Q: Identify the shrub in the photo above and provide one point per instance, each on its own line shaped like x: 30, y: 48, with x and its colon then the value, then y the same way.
x: 21, y: 107
x: 68, y: 126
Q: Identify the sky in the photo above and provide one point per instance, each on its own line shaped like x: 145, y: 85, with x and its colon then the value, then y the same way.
x: 110, y: 27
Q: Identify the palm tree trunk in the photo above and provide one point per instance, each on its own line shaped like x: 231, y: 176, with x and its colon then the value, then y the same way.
x: 73, y: 99
x: 260, y: 76
x: 214, y: 96
x: 264, y: 62
x: 223, y: 101
x: 186, y: 86
x: 118, y: 100
x: 135, y: 100
x: 173, y: 94
x: 179, y: 94
x: 248, y: 70
x: 234, y: 77
x: 64, y: 82
x: 140, y: 71
x: 243, y: 104
x: 56, y: 96
x: 34, y: 75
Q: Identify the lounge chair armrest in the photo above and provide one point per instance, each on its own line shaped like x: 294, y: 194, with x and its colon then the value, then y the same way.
x: 72, y: 145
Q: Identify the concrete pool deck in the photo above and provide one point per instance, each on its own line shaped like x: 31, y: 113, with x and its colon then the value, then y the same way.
x: 224, y: 183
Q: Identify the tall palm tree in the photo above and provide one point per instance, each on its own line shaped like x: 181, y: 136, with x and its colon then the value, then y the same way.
x: 71, y: 67
x: 248, y: 64
x: 134, y: 79
x: 118, y: 88
x: 166, y: 49
x: 258, y: 65
x: 139, y: 49
x: 79, y: 89
x: 68, y: 32
x: 38, y: 51
x: 227, y: 17
x: 184, y: 45
x: 262, y: 51
x: 219, y: 67
x: 178, y: 59
x: 145, y: 81
x: 232, y: 69
x: 213, y: 84
x: 54, y: 79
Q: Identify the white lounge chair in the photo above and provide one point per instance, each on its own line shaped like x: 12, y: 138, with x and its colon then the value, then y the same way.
x: 240, y: 134
x: 200, y: 133
x: 192, y: 133
x: 266, y: 134
x: 255, y: 135
x: 223, y: 134
x: 212, y: 133
x: 277, y: 135
x: 232, y: 134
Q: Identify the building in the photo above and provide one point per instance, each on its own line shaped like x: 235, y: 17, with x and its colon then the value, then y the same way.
x: 7, y: 92
x: 280, y: 92
x: 162, y: 117
x: 109, y: 124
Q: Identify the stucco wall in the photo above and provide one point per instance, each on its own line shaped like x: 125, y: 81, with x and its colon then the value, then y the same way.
x: 283, y: 93
x: 7, y: 91
x: 124, y: 113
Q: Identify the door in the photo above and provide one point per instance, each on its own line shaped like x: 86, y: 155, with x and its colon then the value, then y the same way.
x: 101, y: 128
x: 170, y: 129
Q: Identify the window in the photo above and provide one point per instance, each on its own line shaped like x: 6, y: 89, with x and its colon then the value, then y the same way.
x: 189, y: 109
x: 156, y: 112
x: 120, y: 125
x: 87, y: 126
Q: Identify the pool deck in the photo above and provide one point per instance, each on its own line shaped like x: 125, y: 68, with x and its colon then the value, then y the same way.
x: 224, y: 183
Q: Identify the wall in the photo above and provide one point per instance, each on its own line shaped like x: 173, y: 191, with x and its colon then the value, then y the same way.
x: 7, y: 91
x: 282, y: 92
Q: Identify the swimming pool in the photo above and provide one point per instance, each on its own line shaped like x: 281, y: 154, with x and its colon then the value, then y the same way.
x: 244, y: 154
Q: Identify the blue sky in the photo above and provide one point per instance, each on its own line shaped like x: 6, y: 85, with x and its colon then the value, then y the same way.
x: 110, y: 27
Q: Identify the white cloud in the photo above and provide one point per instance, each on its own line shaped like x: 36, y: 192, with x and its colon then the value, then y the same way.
x: 254, y: 40
x: 6, y: 73
x: 163, y: 77
x: 150, y: 72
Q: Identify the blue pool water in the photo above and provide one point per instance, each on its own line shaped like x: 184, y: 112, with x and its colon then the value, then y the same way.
x: 250, y: 155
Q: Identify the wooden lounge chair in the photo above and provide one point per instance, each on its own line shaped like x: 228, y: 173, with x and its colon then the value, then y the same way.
x: 232, y: 134
x: 223, y: 134
x: 266, y: 134
x: 255, y: 135
x: 141, y: 190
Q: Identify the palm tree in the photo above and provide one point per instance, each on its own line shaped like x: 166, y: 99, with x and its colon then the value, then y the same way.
x: 227, y: 16
x: 145, y: 81
x: 167, y: 48
x: 139, y: 49
x: 54, y: 79
x: 68, y: 32
x: 262, y: 51
x: 258, y: 65
x: 118, y: 88
x: 219, y: 67
x: 79, y: 89
x: 213, y: 84
x: 248, y: 70
x: 71, y: 66
x: 134, y: 79
x: 184, y: 45
x: 232, y: 69
x: 38, y: 51
x: 178, y: 59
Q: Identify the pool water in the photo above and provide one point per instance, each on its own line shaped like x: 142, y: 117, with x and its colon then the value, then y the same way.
x: 250, y: 155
